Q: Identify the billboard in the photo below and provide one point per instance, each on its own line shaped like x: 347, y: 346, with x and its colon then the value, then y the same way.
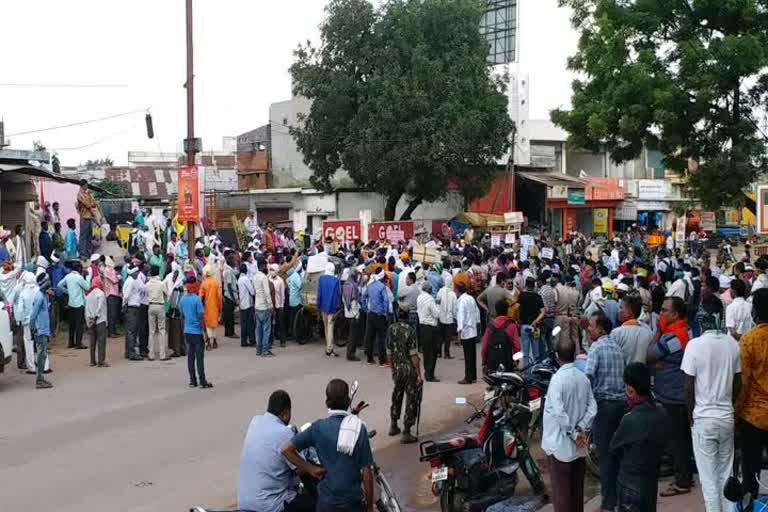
x: 600, y: 220
x: 761, y: 209
x: 341, y: 230
x: 499, y: 26
x: 382, y: 230
x: 188, y: 196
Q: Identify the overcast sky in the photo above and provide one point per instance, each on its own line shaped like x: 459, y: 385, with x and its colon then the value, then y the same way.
x: 243, y: 49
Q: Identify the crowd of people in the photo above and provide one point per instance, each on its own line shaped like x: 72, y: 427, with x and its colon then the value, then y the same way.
x: 628, y: 315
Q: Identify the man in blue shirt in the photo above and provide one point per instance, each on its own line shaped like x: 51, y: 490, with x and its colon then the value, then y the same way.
x: 193, y: 314
x: 267, y: 482
x: 379, y: 307
x: 75, y: 286
x: 342, y: 474
x: 40, y: 321
x: 70, y: 241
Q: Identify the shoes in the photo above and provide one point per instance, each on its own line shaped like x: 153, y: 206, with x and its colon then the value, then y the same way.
x: 449, y: 356
x: 93, y: 363
x: 408, y: 438
x: 47, y: 371
x: 394, y: 429
x: 80, y: 347
x: 135, y: 358
x: 259, y: 354
x: 193, y: 384
x: 432, y: 379
x: 465, y: 381
x: 385, y: 365
x: 371, y: 361
x: 353, y: 359
x: 103, y: 365
x: 331, y: 354
x: 43, y: 384
x: 282, y: 344
x: 166, y: 359
x: 30, y: 372
x: 268, y: 353
x: 233, y: 336
x: 150, y: 359
x: 215, y: 343
x: 206, y: 385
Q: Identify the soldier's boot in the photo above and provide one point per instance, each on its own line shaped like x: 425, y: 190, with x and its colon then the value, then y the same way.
x: 408, y: 438
x: 394, y: 429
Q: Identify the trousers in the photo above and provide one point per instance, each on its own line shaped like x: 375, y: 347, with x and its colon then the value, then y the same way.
x: 329, y: 322
x: 356, y: 330
x: 376, y: 328
x: 131, y: 334
x: 405, y: 385
x: 84, y: 244
x: 247, y: 328
x: 195, y: 358
x: 470, y: 359
x: 430, y: 346
x: 41, y: 345
x: 609, y: 414
x: 567, y: 484
x: 263, y: 331
x: 753, y: 442
x: 546, y: 335
x: 31, y: 356
x: 76, y: 322
x: 529, y: 345
x: 680, y: 443
x: 446, y: 334
x: 228, y: 317
x: 713, y: 450
x: 114, y: 303
x: 158, y: 339
x: 98, y: 346
x: 143, y: 329
x: 569, y: 328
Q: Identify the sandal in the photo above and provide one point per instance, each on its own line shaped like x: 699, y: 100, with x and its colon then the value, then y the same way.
x: 674, y: 490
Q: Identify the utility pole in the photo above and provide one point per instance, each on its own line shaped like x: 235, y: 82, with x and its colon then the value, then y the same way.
x: 190, y: 122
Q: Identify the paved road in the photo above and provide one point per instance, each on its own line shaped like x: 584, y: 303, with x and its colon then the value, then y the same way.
x: 134, y: 438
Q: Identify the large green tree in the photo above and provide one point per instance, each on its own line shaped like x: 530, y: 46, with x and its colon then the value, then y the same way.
x: 685, y: 76
x: 402, y: 100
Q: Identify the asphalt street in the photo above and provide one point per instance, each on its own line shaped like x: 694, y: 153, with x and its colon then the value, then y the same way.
x: 134, y: 437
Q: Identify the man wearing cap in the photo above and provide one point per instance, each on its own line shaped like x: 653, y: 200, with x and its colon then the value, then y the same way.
x: 133, y: 290
x: 75, y: 286
x: 111, y: 283
x: 40, y: 321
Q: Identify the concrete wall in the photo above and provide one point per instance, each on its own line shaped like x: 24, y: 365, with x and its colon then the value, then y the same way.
x: 593, y: 164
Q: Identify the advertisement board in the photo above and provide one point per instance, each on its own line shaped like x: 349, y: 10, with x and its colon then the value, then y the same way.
x: 680, y: 232
x: 600, y: 220
x: 576, y: 196
x: 709, y: 222
x: 651, y: 189
x: 761, y: 209
x: 379, y: 230
x: 341, y: 230
x: 188, y: 194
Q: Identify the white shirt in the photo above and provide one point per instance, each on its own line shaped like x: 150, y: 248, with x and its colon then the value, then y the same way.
x: 251, y: 226
x: 262, y: 296
x: 133, y: 290
x: 738, y: 316
x: 467, y: 317
x: 245, y: 291
x: 95, y: 307
x: 678, y: 289
x: 427, y: 309
x: 448, y: 300
x: 712, y: 359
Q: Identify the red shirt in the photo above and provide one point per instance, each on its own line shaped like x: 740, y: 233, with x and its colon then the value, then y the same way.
x: 512, y: 337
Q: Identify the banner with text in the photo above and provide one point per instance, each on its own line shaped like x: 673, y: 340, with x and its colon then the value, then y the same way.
x: 188, y: 194
x: 382, y: 230
x: 600, y: 220
x: 341, y: 230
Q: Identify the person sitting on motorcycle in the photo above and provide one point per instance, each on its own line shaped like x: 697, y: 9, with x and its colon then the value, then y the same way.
x: 341, y: 441
x: 266, y: 481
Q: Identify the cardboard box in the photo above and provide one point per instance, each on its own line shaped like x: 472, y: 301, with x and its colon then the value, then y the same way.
x: 424, y: 254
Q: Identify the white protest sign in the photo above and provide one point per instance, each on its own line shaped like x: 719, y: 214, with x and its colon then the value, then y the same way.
x: 547, y: 253
x: 495, y: 240
x: 509, y: 238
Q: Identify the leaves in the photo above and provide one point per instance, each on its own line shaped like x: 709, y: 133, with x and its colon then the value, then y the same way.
x: 688, y: 78
x: 114, y: 189
x: 402, y: 99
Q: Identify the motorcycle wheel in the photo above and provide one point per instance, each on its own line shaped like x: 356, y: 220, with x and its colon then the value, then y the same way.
x: 532, y: 473
x: 448, y: 497
x: 340, y: 331
x: 593, y: 464
x: 387, y: 500
x: 301, y: 328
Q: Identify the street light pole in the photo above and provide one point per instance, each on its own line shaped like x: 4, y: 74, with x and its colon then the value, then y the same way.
x: 190, y: 121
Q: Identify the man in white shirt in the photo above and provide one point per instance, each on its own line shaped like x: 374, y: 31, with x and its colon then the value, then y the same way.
x: 245, y: 293
x: 428, y: 313
x: 446, y: 298
x: 712, y: 368
x: 96, y: 322
x: 680, y: 288
x: 133, y: 290
x: 251, y: 225
x: 738, y: 315
x: 467, y: 320
x: 263, y: 307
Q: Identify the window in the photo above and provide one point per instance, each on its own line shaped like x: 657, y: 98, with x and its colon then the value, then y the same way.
x: 499, y: 26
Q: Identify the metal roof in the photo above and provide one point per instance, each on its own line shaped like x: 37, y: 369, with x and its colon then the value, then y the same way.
x: 39, y: 172
x: 553, y: 179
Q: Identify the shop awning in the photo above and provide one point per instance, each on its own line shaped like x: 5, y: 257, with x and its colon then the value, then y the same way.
x: 7, y: 169
x: 552, y: 179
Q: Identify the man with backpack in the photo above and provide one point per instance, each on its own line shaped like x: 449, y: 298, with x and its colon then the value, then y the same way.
x: 500, y: 341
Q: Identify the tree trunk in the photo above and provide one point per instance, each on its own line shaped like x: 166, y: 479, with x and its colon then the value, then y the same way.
x: 391, y: 206
x: 415, y: 202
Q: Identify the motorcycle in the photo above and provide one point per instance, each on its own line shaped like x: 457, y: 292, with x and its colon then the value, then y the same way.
x: 386, y: 502
x: 472, y: 473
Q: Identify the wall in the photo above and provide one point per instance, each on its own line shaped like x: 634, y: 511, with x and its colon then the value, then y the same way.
x: 593, y: 164
x: 350, y: 204
x: 66, y: 195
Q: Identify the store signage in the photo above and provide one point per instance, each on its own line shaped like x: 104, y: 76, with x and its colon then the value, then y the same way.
x: 576, y: 196
x: 761, y: 206
x: 341, y: 230
x: 709, y: 222
x: 600, y: 220
x: 625, y: 212
x: 381, y: 230
x: 188, y: 194
x: 557, y: 192
x: 651, y: 189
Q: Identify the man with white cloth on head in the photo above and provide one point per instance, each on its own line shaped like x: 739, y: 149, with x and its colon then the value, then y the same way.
x: 342, y: 445
x: 22, y: 309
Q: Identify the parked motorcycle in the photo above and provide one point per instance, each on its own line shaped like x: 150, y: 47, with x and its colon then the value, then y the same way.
x: 386, y: 501
x: 471, y: 473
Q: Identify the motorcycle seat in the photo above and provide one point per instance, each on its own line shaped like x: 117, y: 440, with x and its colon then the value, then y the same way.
x: 458, y: 443
x: 512, y: 378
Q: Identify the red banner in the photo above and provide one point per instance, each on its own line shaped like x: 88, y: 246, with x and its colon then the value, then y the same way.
x: 379, y: 230
x: 340, y: 230
x: 188, y: 194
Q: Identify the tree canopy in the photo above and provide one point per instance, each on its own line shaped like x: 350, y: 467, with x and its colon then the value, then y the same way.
x: 686, y: 77
x: 402, y: 100
x: 114, y: 188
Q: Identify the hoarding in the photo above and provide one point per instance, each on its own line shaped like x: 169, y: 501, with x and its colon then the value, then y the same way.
x: 341, y: 230
x: 381, y: 230
x: 600, y: 220
x: 188, y: 194
x: 709, y: 222
x: 761, y: 209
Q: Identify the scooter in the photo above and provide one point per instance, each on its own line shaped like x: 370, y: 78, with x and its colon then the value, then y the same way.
x: 472, y: 473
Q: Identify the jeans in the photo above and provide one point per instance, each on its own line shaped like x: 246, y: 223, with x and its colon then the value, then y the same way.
x: 76, y: 321
x: 195, y: 355
x: 247, y: 328
x: 753, y: 442
x: 98, y: 343
x: 114, y: 303
x: 263, y: 330
x: 377, y: 327
x: 609, y: 414
x: 29, y: 351
x: 713, y: 449
x: 228, y: 317
x: 131, y: 334
x: 41, y: 345
x: 279, y: 327
x: 680, y: 443
x: 159, y: 341
x: 545, y: 342
x: 329, y: 322
x: 470, y: 359
x: 84, y: 244
x: 529, y: 344
x: 291, y: 316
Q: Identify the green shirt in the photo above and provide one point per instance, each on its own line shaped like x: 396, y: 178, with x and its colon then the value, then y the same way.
x: 157, y: 260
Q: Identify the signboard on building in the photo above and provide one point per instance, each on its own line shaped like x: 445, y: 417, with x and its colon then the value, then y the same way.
x: 625, y: 212
x: 600, y: 189
x: 600, y: 220
x: 732, y: 215
x: 680, y: 232
x: 576, y: 196
x: 341, y: 230
x: 761, y: 209
x: 513, y: 218
x: 543, y: 157
x: 189, y: 194
x: 651, y: 189
x: 709, y: 222
x: 379, y: 230
x: 557, y: 192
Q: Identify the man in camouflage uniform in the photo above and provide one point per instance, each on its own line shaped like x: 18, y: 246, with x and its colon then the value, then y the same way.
x: 406, y: 374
